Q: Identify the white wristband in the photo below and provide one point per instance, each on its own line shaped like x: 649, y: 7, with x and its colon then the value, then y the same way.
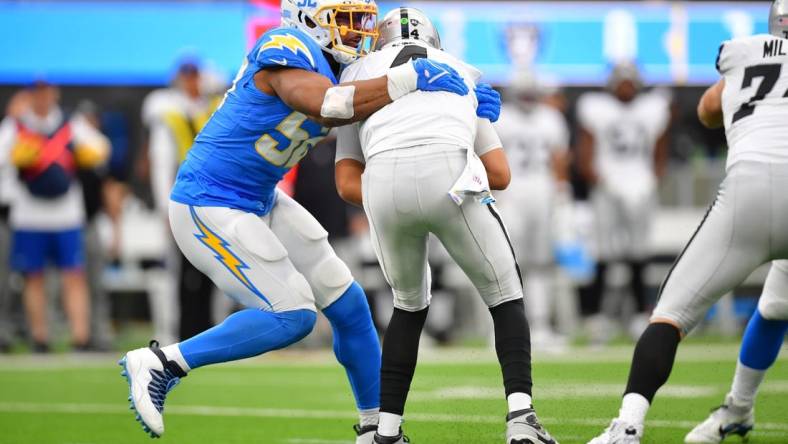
x: 338, y: 102
x: 402, y: 80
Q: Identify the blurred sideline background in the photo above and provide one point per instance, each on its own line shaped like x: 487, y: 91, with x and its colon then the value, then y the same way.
x: 129, y: 64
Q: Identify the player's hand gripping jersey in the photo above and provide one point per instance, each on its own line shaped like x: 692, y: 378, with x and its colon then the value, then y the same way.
x: 253, y: 139
x: 755, y: 98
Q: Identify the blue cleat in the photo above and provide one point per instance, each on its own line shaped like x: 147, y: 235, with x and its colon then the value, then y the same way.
x: 150, y: 377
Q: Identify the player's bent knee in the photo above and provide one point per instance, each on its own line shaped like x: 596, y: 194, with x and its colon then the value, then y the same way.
x: 410, y: 303
x: 773, y: 308
x: 350, y: 309
x: 297, y: 324
x: 331, y: 278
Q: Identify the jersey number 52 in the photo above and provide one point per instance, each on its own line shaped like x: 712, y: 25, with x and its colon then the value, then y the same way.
x: 300, y: 142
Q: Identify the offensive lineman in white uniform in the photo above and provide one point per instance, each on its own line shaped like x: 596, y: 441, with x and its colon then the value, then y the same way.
x: 622, y: 147
x: 744, y: 227
x: 536, y: 138
x: 411, y: 156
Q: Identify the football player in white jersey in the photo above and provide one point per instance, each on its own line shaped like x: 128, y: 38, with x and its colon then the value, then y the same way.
x: 536, y: 138
x: 622, y: 148
x: 416, y: 170
x: 744, y: 228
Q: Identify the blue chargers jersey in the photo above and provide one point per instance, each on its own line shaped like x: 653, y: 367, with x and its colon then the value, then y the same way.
x: 253, y: 139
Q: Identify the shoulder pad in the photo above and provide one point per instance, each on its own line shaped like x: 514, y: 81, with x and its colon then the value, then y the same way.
x: 284, y: 47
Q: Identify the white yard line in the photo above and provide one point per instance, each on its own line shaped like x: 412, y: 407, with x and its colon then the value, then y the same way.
x: 561, y: 391
x: 196, y: 410
x: 434, y: 356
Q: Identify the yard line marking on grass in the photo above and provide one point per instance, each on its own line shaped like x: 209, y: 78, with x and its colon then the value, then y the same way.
x: 563, y: 391
x: 197, y: 410
x: 317, y: 441
x: 694, y: 352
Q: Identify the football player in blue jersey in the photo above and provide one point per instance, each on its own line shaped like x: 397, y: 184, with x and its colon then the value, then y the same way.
x: 257, y: 244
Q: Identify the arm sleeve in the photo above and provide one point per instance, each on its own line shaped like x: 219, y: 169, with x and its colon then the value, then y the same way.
x: 283, y: 48
x: 163, y: 164
x: 349, y: 144
x: 486, y: 137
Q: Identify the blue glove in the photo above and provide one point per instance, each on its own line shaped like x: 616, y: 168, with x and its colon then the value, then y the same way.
x: 489, y: 102
x: 436, y: 76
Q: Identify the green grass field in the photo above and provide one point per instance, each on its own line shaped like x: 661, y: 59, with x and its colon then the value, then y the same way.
x: 302, y: 398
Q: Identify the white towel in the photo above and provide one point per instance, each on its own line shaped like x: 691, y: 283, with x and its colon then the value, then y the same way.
x: 472, y: 182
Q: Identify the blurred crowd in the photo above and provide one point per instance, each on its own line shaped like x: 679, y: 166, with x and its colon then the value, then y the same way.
x: 84, y: 220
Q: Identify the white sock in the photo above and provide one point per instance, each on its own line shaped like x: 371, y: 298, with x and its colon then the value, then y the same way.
x: 389, y: 424
x: 746, y: 381
x: 173, y: 353
x: 633, y: 409
x: 518, y: 401
x: 368, y: 417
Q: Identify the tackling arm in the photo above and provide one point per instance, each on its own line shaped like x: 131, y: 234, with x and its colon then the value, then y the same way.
x: 337, y: 105
x: 710, y: 106
x: 305, y: 91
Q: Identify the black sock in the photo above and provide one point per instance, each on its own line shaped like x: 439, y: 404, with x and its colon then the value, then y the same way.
x: 638, y: 286
x: 513, y: 346
x: 591, y: 295
x: 400, y: 351
x: 653, y: 359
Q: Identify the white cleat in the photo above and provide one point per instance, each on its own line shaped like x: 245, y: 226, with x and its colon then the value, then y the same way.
x: 366, y: 434
x: 726, y: 420
x: 619, y: 432
x: 150, y: 377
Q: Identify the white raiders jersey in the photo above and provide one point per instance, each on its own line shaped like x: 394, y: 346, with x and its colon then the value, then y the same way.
x: 419, y: 118
x: 625, y: 134
x: 755, y: 98
x: 531, y: 137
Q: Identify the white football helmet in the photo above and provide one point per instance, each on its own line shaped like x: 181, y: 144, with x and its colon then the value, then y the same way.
x: 319, y: 19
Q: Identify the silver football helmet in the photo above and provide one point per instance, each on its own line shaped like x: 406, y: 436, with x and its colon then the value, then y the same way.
x: 624, y: 72
x: 778, y: 19
x: 407, y: 24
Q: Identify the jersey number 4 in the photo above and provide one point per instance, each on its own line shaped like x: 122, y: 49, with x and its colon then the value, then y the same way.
x: 770, y: 73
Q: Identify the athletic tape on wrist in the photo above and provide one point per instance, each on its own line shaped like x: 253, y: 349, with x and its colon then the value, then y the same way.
x: 402, y: 80
x: 338, y: 102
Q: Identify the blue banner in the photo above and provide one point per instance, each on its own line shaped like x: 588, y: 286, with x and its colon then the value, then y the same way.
x: 573, y: 43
